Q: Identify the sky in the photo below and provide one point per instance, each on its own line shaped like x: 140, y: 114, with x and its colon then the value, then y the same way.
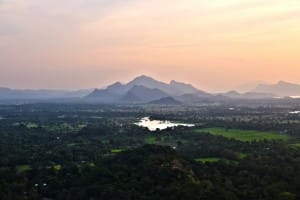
x: 215, y: 45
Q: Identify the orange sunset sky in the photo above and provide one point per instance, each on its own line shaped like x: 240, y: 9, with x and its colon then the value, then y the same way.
x: 215, y: 45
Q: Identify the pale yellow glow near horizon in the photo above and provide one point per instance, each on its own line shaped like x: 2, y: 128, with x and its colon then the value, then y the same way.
x: 216, y: 45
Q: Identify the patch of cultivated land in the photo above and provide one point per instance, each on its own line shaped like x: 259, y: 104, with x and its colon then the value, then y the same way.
x: 151, y: 140
x: 244, y: 135
x: 23, y: 168
x: 116, y: 150
x: 205, y: 160
x: 295, y: 145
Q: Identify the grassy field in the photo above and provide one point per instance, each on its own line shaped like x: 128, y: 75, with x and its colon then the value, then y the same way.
x: 242, y: 155
x: 244, y: 135
x: 205, y: 160
x: 116, y: 150
x: 32, y: 125
x: 57, y: 167
x: 23, y: 168
x: 295, y: 145
x: 151, y: 140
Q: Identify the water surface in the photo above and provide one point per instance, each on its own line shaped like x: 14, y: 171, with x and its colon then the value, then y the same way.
x: 154, y: 125
x: 295, y: 112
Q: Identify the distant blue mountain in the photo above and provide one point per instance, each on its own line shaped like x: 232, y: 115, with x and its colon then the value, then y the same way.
x: 281, y: 88
x: 145, y: 94
x: 7, y: 93
x: 166, y: 101
x: 143, y: 89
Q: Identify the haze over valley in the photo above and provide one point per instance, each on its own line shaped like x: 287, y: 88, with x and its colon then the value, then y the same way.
x: 145, y: 89
x: 149, y: 100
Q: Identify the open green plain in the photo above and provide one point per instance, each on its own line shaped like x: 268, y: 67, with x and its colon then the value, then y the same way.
x: 244, y: 135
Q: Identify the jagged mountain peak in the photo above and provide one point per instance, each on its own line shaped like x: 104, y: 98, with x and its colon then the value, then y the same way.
x: 285, y: 83
x: 116, y: 84
x: 143, y: 77
x: 173, y: 82
x: 166, y: 101
x: 145, y: 81
x: 232, y: 92
x: 147, y: 88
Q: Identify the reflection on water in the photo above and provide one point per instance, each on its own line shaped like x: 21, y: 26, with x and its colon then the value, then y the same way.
x: 295, y: 112
x: 154, y: 125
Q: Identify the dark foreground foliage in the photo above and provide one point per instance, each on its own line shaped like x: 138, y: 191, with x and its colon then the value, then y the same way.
x: 157, y: 172
x: 78, y: 152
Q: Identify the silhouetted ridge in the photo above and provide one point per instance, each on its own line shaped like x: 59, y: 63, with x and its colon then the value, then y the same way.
x: 144, y: 89
x: 166, y: 101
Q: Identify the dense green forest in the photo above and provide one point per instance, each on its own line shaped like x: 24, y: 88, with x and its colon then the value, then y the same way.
x: 60, y: 151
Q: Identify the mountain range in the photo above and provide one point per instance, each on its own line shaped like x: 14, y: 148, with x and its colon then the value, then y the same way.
x: 281, y: 89
x: 7, y: 93
x: 144, y: 89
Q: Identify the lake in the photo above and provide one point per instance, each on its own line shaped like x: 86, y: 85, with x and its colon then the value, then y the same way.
x: 154, y: 125
x: 295, y: 112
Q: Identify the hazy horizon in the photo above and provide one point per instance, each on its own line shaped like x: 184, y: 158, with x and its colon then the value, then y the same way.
x: 247, y: 87
x: 216, y: 46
